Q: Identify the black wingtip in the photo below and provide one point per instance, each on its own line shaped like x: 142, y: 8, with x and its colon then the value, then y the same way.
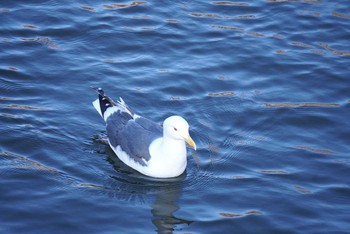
x: 98, y: 91
x: 105, y: 101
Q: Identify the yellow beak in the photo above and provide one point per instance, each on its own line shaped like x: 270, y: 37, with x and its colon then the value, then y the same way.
x: 190, y: 142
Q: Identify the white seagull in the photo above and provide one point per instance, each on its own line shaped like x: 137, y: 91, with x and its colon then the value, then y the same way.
x: 143, y: 144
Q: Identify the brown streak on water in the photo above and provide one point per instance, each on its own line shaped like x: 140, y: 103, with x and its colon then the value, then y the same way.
x: 255, y: 34
x: 301, y: 189
x: 42, y: 40
x: 222, y: 94
x: 26, y: 163
x: 280, y: 51
x: 274, y: 172
x: 227, y: 3
x: 318, y: 52
x: 230, y: 215
x: 172, y: 21
x: 147, y: 28
x: 302, y: 1
x: 116, y: 6
x: 340, y: 15
x: 142, y: 17
x: 235, y: 215
x: 13, y: 68
x: 88, y: 8
x: 286, y: 105
x: 113, y: 61
x: 308, y: 148
x: 227, y: 28
x: 300, y: 44
x: 15, y: 106
x: 30, y: 26
x: 178, y: 98
x: 311, y: 13
x: 253, y: 212
x: 334, y: 51
x: 209, y: 15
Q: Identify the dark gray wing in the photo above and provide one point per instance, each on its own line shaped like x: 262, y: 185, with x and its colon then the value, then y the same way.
x: 133, y: 135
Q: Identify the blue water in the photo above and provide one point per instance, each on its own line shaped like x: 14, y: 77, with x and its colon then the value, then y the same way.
x: 264, y: 85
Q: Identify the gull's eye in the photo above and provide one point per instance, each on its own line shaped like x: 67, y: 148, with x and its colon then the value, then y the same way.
x: 175, y: 129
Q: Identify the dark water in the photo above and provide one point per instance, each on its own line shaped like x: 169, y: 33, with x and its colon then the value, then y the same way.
x: 264, y: 85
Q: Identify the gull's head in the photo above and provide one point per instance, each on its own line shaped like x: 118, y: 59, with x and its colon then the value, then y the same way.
x: 176, y: 127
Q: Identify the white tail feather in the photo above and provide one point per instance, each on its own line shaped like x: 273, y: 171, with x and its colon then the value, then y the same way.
x: 96, y: 104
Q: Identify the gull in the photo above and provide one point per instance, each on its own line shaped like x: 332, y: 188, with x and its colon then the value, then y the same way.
x: 149, y: 148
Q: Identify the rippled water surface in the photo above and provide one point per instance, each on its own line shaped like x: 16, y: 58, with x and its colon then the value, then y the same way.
x: 264, y: 85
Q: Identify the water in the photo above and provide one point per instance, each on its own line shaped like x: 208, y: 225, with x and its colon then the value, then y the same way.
x: 263, y: 84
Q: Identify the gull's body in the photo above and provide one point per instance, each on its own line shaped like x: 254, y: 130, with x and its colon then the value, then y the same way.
x: 143, y: 144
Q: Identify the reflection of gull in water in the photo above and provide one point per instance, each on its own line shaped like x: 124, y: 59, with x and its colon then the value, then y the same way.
x: 162, y: 211
x: 166, y: 192
x: 130, y: 186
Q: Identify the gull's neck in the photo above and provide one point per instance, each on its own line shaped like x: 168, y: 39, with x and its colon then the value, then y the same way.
x: 174, y: 154
x: 168, y: 157
x: 173, y: 147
